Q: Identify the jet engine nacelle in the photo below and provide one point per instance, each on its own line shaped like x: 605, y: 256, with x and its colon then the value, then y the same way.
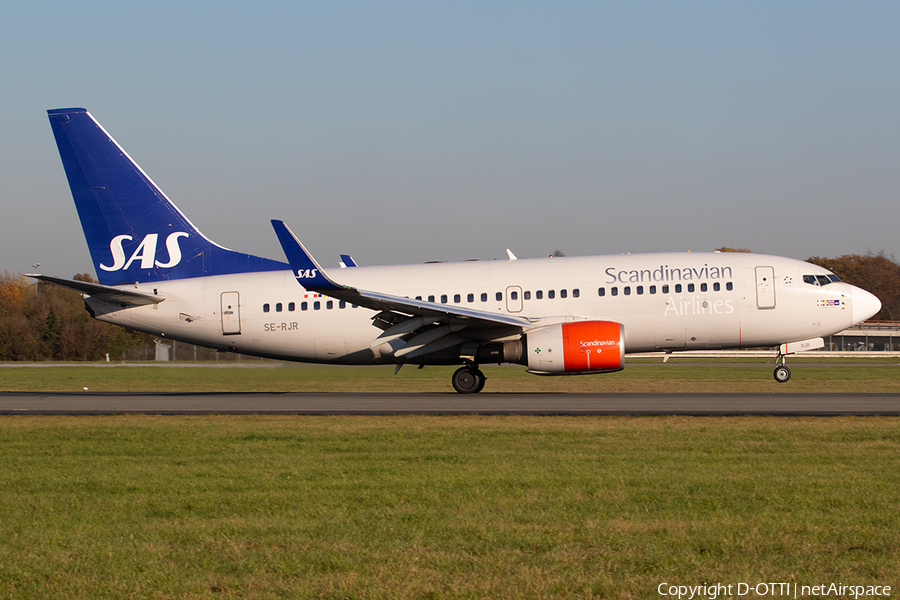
x: 578, y: 347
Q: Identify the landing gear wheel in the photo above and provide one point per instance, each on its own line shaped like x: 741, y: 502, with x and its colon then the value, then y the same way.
x: 782, y: 374
x: 481, y: 380
x: 467, y: 380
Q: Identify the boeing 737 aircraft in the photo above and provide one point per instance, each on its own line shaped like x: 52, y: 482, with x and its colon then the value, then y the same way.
x: 558, y: 316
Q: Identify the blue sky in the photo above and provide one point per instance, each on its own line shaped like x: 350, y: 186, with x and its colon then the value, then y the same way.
x: 406, y: 132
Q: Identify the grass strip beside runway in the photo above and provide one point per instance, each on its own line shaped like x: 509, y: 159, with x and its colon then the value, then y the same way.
x: 441, y: 507
x: 285, y: 377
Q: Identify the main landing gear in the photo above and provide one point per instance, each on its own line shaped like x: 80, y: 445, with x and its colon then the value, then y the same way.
x: 468, y: 379
x: 782, y: 373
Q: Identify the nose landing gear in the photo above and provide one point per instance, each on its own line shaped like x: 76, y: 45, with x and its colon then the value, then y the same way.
x: 468, y: 379
x: 782, y: 373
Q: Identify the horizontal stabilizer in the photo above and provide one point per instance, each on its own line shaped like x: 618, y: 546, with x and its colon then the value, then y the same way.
x: 122, y: 297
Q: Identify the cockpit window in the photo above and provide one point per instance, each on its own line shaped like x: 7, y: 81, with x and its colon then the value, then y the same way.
x: 821, y: 279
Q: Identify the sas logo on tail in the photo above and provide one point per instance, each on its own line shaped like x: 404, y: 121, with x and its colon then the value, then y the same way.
x: 145, y: 252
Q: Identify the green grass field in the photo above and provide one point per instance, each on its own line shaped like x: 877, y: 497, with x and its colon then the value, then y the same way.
x: 442, y: 507
x: 638, y: 376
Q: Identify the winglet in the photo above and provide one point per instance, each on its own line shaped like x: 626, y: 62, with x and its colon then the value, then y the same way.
x: 307, y: 271
x: 347, y: 261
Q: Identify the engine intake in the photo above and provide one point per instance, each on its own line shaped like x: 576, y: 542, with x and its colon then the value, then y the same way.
x: 578, y: 347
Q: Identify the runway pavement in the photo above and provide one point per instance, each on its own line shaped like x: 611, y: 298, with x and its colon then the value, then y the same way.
x: 709, y: 404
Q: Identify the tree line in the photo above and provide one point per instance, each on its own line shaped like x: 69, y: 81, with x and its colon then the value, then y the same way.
x: 876, y: 273
x: 41, y: 321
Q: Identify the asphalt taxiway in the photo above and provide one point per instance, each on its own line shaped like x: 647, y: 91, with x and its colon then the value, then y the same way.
x: 705, y: 404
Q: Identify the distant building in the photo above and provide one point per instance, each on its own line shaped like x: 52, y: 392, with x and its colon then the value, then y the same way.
x: 871, y: 336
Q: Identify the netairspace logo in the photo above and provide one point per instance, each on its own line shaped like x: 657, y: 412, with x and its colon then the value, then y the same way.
x: 773, y: 590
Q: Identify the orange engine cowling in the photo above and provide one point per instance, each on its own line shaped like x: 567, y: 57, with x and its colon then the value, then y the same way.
x: 578, y: 347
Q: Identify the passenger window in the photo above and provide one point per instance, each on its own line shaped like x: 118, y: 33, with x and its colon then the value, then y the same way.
x: 484, y: 297
x: 317, y: 305
x: 527, y: 295
x: 551, y: 294
x: 729, y: 286
x: 291, y: 307
x: 665, y: 289
x: 499, y: 296
x: 431, y: 298
x: 563, y: 293
x: 627, y: 290
x: 703, y: 287
x: 614, y: 291
x: 717, y: 286
x: 677, y: 288
x: 514, y: 295
x: 652, y: 289
x: 304, y: 305
x: 470, y: 298
x: 443, y: 298
x: 342, y: 304
x: 690, y: 287
x: 329, y: 305
x: 640, y: 290
x: 576, y: 293
x: 278, y: 307
x: 457, y: 298
x: 418, y: 297
x: 601, y: 292
x: 539, y: 295
x: 266, y: 307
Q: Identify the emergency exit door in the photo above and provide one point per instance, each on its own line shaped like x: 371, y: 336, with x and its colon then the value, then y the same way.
x: 514, y: 299
x: 231, y: 313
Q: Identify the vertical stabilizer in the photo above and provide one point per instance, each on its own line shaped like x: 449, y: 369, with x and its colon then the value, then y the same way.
x: 133, y: 231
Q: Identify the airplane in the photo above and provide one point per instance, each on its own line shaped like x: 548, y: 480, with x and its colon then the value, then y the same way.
x: 557, y: 316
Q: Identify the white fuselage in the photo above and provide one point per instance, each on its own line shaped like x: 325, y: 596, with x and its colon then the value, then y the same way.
x: 667, y: 301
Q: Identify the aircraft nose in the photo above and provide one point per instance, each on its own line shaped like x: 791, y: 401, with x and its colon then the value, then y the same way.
x: 865, y: 305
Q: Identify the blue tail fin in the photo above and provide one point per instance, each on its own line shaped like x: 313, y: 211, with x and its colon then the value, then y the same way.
x: 134, y: 232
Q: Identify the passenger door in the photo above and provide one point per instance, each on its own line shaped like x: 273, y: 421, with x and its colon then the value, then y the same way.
x: 765, y: 287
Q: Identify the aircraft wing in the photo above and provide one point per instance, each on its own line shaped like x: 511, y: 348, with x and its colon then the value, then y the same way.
x: 124, y: 298
x: 312, y: 277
